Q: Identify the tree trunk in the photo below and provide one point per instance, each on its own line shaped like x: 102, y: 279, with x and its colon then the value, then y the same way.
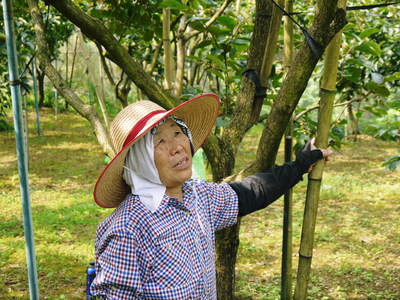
x: 327, y: 94
x: 227, y: 240
x: 84, y: 110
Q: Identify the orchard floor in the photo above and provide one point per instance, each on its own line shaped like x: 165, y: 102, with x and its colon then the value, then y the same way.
x: 357, y: 240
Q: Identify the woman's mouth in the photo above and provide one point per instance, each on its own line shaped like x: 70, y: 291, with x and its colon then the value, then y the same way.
x: 182, y: 164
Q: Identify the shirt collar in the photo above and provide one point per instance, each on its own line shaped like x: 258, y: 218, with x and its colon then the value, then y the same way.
x: 186, y: 205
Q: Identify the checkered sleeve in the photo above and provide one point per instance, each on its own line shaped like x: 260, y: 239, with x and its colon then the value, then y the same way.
x: 224, y: 205
x: 118, y: 269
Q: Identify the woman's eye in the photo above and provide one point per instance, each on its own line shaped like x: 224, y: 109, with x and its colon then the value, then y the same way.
x: 161, y: 141
x: 177, y: 133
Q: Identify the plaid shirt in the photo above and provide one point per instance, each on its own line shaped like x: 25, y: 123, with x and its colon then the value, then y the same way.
x: 168, y: 254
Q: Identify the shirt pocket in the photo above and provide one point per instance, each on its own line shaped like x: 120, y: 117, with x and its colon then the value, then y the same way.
x: 173, y: 260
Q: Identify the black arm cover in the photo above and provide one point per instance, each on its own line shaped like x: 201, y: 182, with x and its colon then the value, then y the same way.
x: 258, y: 191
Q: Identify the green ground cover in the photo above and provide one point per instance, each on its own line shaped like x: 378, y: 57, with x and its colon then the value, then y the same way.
x: 357, y: 237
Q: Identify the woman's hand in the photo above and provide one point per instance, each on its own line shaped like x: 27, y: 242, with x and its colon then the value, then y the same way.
x: 308, y: 156
x: 325, y: 152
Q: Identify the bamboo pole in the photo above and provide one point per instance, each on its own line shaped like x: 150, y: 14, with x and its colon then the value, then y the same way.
x: 327, y: 97
x: 35, y: 92
x: 168, y: 64
x: 21, y: 150
x: 55, y: 96
x: 287, y: 236
x: 270, y: 46
x: 101, y: 97
x: 25, y: 127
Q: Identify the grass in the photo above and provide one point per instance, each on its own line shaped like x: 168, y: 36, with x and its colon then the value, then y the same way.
x: 357, y: 236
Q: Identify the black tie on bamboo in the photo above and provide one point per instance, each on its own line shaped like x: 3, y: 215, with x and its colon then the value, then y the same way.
x: 305, y: 256
x: 370, y: 6
x: 314, y: 179
x: 15, y: 82
x: 326, y: 91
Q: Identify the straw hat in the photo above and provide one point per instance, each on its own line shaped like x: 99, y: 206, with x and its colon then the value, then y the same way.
x: 136, y: 120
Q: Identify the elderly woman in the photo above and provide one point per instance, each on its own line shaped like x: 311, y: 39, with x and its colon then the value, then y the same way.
x: 159, y: 241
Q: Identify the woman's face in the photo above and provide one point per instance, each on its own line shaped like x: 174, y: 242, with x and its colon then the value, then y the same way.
x: 172, y: 155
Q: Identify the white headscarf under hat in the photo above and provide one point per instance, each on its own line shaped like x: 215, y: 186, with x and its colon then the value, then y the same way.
x: 141, y: 174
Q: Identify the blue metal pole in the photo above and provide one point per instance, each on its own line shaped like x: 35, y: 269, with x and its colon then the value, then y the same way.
x: 35, y: 91
x: 21, y: 150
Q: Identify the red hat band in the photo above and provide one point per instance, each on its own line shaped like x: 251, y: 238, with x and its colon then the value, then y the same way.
x: 139, y: 125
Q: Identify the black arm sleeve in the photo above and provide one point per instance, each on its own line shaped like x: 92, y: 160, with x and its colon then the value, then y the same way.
x: 258, y: 191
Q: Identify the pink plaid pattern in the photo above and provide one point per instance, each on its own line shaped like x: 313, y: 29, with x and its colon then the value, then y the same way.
x: 168, y: 254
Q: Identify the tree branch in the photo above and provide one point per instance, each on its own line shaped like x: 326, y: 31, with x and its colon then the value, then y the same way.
x: 61, y: 85
x: 96, y: 31
x: 218, y: 13
x: 299, y: 115
x: 104, y: 64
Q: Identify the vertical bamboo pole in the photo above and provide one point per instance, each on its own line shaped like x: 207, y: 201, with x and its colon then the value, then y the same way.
x: 73, y: 61
x: 327, y: 97
x: 25, y: 127
x: 270, y: 46
x: 101, y: 97
x: 55, y: 97
x: 286, y: 277
x: 21, y: 151
x: 168, y: 65
x: 35, y: 92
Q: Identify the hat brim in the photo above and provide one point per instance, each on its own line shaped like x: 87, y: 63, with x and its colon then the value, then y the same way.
x: 198, y: 113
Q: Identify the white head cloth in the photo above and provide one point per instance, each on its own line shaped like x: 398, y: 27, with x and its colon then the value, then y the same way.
x: 141, y: 174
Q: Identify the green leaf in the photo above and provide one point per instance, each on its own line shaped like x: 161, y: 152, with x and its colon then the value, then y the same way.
x: 204, y: 44
x: 370, y: 47
x: 240, y: 44
x: 392, y: 163
x: 369, y: 32
x: 359, y: 114
x: 379, y: 89
x: 393, y: 77
x: 216, y: 61
x: 353, y: 74
x: 216, y: 73
x: 197, y: 25
x: 173, y: 4
x: 227, y: 21
x: 355, y: 61
x: 214, y: 30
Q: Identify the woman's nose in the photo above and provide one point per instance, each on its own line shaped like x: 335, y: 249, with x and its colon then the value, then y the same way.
x: 175, y: 147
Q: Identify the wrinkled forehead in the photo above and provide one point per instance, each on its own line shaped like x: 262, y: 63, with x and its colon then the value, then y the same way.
x: 164, y: 126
